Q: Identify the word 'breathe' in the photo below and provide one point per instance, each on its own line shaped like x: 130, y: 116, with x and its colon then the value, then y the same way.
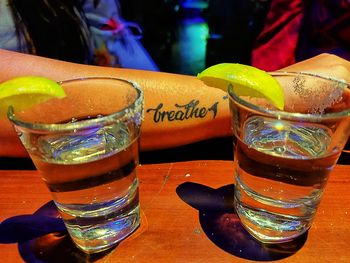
x: 187, y: 111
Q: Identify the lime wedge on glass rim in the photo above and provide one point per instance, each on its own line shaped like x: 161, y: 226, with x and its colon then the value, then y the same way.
x: 246, y: 81
x: 24, y: 92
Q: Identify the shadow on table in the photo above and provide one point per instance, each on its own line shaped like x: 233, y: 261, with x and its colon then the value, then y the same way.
x: 42, y: 238
x: 56, y: 248
x: 222, y: 226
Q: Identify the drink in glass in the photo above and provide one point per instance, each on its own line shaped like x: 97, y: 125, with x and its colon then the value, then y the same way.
x: 283, y: 158
x: 85, y: 148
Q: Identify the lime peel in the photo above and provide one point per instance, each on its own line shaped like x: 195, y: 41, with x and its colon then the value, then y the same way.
x: 246, y: 81
x: 26, y: 91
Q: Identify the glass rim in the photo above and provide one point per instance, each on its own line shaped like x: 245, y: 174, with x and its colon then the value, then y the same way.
x: 81, y: 125
x: 293, y: 115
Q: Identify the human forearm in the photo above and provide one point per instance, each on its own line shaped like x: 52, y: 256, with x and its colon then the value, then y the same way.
x: 179, y: 109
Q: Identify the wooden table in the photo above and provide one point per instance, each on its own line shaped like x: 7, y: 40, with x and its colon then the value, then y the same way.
x: 186, y: 217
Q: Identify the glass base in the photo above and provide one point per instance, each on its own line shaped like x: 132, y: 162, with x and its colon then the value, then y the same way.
x: 105, y: 235
x: 269, y: 227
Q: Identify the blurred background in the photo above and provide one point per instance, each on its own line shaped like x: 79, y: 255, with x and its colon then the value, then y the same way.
x: 186, y: 36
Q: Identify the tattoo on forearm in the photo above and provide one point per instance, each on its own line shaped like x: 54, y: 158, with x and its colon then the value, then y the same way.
x: 191, y: 110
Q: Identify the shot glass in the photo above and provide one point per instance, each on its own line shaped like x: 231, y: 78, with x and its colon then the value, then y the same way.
x: 283, y: 158
x: 85, y: 148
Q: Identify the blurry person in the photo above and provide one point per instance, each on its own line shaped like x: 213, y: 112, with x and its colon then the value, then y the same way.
x: 80, y: 31
x: 300, y: 29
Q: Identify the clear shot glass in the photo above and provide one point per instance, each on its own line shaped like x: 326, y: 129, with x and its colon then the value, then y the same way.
x: 283, y: 158
x: 85, y: 148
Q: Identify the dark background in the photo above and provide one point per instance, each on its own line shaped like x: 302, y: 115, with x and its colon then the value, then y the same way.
x: 233, y: 26
x: 213, y: 149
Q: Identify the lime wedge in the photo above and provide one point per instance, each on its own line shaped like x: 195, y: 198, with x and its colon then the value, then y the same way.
x: 24, y: 92
x: 246, y: 81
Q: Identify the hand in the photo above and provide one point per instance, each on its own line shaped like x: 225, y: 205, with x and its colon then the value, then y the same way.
x: 324, y: 64
x: 327, y: 65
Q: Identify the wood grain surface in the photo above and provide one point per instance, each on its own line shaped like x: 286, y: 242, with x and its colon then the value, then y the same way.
x: 186, y: 216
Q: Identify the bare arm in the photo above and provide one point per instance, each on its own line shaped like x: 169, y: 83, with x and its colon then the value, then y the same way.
x: 165, y: 95
x: 201, y: 112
